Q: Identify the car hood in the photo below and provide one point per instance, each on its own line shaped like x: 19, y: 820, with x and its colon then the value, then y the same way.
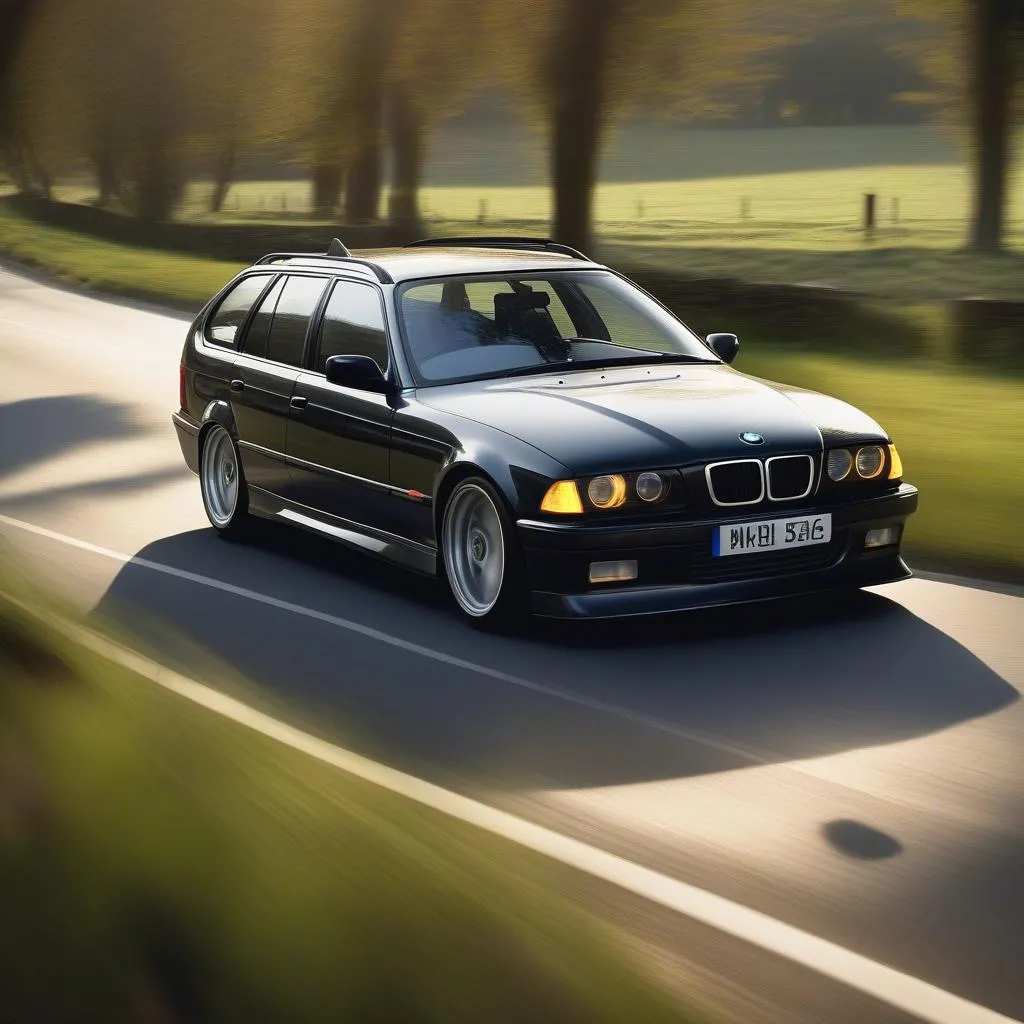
x: 650, y: 416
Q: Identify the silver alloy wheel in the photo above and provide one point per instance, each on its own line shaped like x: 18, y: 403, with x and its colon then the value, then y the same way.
x: 220, y: 477
x: 474, y: 550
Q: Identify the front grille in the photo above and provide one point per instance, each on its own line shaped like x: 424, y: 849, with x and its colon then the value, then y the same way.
x: 705, y: 568
x: 790, y: 476
x: 736, y: 483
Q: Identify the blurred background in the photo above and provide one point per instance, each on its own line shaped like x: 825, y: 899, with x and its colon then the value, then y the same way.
x: 835, y: 180
x: 838, y: 181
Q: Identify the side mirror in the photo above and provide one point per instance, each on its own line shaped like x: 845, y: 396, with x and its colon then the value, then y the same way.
x: 358, y: 372
x: 725, y: 346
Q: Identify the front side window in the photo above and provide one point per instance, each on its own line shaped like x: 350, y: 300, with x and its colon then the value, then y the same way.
x: 222, y: 327
x: 295, y: 307
x: 516, y: 325
x: 353, y: 325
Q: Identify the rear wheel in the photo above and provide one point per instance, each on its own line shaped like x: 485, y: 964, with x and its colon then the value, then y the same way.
x: 481, y: 560
x: 222, y: 483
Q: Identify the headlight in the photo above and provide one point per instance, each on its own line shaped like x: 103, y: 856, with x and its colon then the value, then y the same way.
x: 607, y: 491
x: 870, y: 461
x: 650, y: 486
x: 895, y: 463
x: 563, y: 497
x: 840, y: 461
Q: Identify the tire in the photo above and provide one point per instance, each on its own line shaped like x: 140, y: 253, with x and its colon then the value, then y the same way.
x: 482, y: 562
x: 222, y: 483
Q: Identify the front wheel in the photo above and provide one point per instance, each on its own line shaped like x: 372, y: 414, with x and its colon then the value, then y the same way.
x: 222, y: 483
x: 481, y: 559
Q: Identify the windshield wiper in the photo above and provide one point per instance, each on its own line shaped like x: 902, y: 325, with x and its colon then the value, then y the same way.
x: 595, y: 364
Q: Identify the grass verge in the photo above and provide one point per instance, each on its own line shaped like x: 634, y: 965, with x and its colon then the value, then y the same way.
x: 953, y: 424
x: 183, y: 282
x: 159, y: 863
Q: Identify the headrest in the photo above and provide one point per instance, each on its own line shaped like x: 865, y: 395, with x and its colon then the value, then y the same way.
x: 518, y: 302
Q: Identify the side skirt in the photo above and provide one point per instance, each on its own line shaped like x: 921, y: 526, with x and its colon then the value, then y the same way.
x: 396, y: 549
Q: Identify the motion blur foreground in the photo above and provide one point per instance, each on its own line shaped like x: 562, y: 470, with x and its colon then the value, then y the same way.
x: 275, y: 780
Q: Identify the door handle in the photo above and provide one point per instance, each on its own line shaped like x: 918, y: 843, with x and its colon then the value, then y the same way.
x: 237, y: 385
x: 299, y: 403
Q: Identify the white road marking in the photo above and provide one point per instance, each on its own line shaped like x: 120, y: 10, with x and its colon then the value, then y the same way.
x: 743, y: 753
x: 32, y: 327
x: 886, y: 984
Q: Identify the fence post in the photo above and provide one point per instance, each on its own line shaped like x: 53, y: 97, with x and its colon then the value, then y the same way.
x: 744, y: 208
x: 895, y: 211
x: 869, y: 212
x: 640, y: 208
x: 481, y: 217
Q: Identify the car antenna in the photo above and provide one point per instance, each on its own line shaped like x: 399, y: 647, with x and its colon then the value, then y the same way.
x: 337, y: 248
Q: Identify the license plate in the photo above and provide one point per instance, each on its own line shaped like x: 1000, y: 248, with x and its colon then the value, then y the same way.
x: 771, y: 535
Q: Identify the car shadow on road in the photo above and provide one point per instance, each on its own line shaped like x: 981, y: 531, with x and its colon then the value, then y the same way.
x: 556, y: 707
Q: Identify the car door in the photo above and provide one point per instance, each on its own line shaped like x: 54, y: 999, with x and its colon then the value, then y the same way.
x: 264, y: 377
x: 214, y: 358
x: 338, y: 437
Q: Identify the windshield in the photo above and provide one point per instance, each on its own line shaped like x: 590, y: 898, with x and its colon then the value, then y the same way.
x: 503, y: 326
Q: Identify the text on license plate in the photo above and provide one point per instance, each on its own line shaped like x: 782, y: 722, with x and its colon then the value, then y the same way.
x: 771, y: 535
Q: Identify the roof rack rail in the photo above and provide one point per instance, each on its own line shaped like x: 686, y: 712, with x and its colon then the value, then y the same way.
x: 333, y: 254
x: 502, y: 242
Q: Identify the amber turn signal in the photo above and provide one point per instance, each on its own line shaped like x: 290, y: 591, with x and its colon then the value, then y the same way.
x: 895, y: 464
x: 563, y: 497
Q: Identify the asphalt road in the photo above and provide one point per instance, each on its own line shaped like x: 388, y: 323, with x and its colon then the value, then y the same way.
x: 853, y: 770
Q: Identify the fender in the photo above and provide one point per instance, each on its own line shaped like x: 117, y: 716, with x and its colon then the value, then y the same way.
x: 219, y: 411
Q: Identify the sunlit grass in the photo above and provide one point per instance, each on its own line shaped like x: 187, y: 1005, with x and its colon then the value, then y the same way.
x: 185, y: 281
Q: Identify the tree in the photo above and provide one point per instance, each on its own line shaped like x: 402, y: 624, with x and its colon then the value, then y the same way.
x: 581, y: 64
x: 15, y: 17
x: 976, y: 60
x: 440, y: 53
x: 994, y: 72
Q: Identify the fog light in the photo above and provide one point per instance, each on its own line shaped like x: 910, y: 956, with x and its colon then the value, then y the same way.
x: 883, y: 537
x: 613, y: 572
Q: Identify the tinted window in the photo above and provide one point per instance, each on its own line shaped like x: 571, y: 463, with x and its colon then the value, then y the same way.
x: 291, y: 318
x: 353, y: 325
x: 258, y: 334
x: 233, y: 309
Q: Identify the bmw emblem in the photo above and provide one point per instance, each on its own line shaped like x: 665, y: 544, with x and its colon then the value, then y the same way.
x: 749, y: 437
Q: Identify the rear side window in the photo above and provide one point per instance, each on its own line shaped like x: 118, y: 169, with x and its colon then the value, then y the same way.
x: 222, y: 327
x: 291, y: 318
x: 353, y: 325
x: 258, y: 334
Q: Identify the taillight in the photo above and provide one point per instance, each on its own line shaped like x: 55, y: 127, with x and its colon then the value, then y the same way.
x: 182, y: 390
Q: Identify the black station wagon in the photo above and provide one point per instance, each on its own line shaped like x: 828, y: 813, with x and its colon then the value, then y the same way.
x: 533, y: 427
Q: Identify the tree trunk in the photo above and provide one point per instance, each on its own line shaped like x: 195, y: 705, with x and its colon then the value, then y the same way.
x: 371, y: 40
x: 327, y: 177
x: 14, y: 17
x: 362, y: 185
x: 406, y: 132
x: 224, y: 175
x: 106, y: 170
x: 992, y: 91
x: 579, y: 58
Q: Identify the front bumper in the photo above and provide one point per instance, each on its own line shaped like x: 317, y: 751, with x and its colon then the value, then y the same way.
x: 677, y: 571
